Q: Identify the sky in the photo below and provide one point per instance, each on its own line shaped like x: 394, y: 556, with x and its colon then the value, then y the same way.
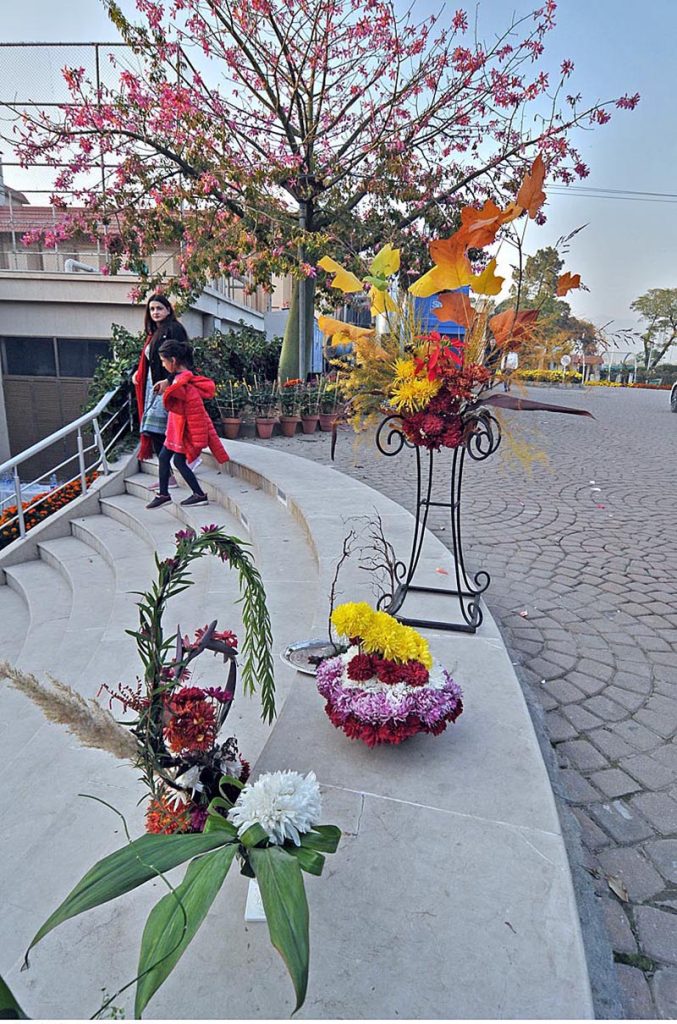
x: 629, y: 244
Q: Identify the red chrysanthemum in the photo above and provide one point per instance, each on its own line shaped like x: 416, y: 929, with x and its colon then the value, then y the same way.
x: 432, y: 424
x: 166, y: 817
x: 388, y: 671
x: 361, y: 667
x: 415, y: 673
x: 192, y: 721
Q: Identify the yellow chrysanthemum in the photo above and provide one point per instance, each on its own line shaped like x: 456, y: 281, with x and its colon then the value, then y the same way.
x: 414, y: 394
x: 352, y: 618
x: 381, y: 633
x: 404, y: 369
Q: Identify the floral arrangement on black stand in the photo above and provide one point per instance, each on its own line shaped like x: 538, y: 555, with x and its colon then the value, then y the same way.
x: 201, y: 809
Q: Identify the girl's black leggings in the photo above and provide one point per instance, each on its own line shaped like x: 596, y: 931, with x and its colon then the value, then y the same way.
x: 165, y: 460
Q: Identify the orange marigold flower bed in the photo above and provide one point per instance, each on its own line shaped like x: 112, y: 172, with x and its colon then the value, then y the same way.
x: 34, y: 513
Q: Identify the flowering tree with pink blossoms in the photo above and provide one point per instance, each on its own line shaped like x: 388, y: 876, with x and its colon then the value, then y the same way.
x: 251, y: 132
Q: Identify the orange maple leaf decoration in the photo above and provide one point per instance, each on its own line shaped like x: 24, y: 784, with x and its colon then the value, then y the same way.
x: 566, y: 282
x: 455, y: 306
x: 531, y: 195
x: 480, y: 227
x: 510, y: 327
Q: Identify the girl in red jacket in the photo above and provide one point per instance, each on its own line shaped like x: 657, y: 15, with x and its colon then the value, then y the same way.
x: 189, y: 427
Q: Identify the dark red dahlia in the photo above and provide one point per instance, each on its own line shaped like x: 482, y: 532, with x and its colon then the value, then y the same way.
x: 415, y: 673
x: 361, y: 667
x: 388, y: 671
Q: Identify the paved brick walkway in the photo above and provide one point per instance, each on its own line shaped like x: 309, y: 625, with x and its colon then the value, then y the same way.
x: 583, y: 558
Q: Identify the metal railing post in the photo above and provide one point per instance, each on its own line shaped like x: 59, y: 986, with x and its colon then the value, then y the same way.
x: 99, y: 444
x: 81, y: 461
x: 19, y: 503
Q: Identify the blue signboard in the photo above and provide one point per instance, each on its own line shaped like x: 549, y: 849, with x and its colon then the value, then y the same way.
x: 423, y: 309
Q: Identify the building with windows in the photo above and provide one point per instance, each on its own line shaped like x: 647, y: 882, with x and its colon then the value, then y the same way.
x: 56, y: 311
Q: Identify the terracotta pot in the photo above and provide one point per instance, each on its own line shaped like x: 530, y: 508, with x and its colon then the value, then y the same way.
x: 310, y: 423
x: 231, y: 427
x: 327, y: 420
x: 264, y: 426
x: 288, y: 425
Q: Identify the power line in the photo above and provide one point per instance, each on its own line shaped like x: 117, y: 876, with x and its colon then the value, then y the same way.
x: 629, y: 195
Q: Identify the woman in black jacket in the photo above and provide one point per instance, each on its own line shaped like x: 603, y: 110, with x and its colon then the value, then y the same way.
x: 151, y: 379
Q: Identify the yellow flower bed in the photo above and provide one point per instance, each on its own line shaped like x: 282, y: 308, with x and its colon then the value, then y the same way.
x: 547, y: 376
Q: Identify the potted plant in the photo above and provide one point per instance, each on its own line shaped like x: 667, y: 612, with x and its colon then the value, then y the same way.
x: 290, y: 406
x: 232, y: 398
x: 310, y: 407
x: 330, y: 395
x: 264, y: 401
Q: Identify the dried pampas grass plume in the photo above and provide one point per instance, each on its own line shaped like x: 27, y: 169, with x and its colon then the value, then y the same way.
x: 91, y: 724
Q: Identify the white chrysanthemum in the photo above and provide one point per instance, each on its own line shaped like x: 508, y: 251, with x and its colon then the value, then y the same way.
x: 285, y: 804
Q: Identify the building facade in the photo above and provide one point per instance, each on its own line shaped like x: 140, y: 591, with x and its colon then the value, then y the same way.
x: 56, y: 311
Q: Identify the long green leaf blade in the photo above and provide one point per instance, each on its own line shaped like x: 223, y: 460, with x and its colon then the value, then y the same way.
x: 128, y: 868
x: 9, y: 1008
x: 284, y: 901
x: 324, y: 838
x: 173, y: 921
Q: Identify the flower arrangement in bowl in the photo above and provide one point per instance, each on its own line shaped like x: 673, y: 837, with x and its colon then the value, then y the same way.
x: 386, y: 687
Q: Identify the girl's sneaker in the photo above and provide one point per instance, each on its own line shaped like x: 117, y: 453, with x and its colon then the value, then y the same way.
x: 159, y: 499
x: 195, y: 499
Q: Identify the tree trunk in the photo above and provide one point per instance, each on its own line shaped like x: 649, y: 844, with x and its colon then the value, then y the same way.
x: 289, y: 356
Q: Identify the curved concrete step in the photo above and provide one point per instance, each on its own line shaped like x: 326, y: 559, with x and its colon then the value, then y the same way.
x: 48, y: 598
x: 91, y: 583
x: 14, y: 616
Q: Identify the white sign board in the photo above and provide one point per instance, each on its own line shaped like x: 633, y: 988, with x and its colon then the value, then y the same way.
x: 565, y: 361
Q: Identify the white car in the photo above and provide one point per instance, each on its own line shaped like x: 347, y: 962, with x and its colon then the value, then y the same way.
x: 673, y: 398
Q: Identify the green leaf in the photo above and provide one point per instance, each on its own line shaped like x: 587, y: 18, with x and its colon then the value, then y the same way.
x: 9, y: 1008
x: 310, y: 860
x: 128, y: 868
x: 174, y: 921
x: 217, y: 821
x: 254, y: 835
x: 323, y: 837
x: 284, y: 901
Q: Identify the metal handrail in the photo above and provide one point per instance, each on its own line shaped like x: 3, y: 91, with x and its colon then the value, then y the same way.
x: 11, y: 466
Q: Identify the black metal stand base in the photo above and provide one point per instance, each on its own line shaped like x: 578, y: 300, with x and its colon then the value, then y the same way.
x: 482, y: 436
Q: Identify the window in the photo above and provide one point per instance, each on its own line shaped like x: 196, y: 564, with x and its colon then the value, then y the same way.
x: 79, y: 358
x: 30, y: 357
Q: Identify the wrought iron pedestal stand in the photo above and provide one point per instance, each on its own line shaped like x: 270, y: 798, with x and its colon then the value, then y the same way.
x: 482, y: 435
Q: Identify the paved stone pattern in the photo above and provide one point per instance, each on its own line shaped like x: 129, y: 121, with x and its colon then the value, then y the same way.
x: 582, y: 551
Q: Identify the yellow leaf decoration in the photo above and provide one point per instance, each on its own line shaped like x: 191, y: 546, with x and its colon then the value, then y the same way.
x: 386, y: 262
x: 381, y: 302
x: 488, y: 282
x: 452, y: 268
x: 329, y: 326
x: 345, y: 280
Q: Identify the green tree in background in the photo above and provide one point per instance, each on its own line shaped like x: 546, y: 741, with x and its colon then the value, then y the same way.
x: 658, y: 308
